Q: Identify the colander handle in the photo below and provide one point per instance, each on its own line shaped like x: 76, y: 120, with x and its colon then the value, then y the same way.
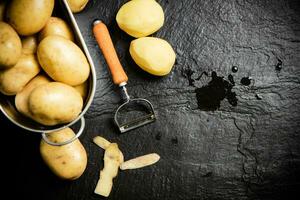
x: 106, y: 45
x: 45, y: 138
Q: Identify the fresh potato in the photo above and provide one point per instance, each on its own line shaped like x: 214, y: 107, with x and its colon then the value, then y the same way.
x: 2, y: 10
x: 14, y: 79
x: 113, y: 157
x: 154, y: 55
x: 54, y: 103
x: 10, y: 46
x: 29, y: 44
x: 68, y: 161
x: 140, y: 18
x: 141, y: 161
x: 63, y: 60
x: 21, y: 100
x: 29, y: 17
x: 83, y: 89
x: 56, y: 26
x: 77, y: 5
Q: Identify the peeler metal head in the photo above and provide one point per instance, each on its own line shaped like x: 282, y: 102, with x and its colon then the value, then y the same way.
x: 134, y: 105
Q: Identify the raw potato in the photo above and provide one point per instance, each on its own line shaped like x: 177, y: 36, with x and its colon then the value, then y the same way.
x: 63, y: 60
x: 113, y: 157
x: 10, y: 46
x: 141, y: 161
x: 77, y: 5
x: 67, y: 161
x: 54, y: 103
x: 101, y: 142
x: 21, y: 100
x: 56, y: 26
x: 14, y: 79
x: 140, y: 18
x: 29, y: 17
x: 2, y: 10
x: 29, y: 44
x: 154, y: 55
x: 83, y: 89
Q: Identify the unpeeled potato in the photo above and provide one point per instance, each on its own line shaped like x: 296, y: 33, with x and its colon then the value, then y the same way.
x: 140, y: 18
x: 77, y: 5
x: 10, y: 46
x: 54, y: 103
x: 21, y: 100
x: 29, y: 17
x: 154, y: 55
x: 14, y: 79
x: 68, y: 161
x: 29, y: 44
x: 63, y: 60
x: 83, y: 89
x: 56, y: 26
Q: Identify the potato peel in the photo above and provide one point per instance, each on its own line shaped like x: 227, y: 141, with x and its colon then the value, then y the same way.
x: 141, y: 161
x: 101, y: 142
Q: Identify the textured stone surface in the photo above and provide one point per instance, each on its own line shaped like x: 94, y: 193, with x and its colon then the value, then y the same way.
x: 250, y: 151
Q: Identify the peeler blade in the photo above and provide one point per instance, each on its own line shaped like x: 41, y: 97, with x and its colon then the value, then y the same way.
x: 137, y: 121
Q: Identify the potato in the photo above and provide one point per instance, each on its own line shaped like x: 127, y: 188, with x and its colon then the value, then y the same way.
x: 68, y: 161
x: 2, y: 10
x: 113, y: 157
x: 14, y: 79
x: 77, y: 5
x: 154, y: 55
x: 10, y: 46
x: 29, y: 17
x: 63, y: 60
x: 83, y: 89
x: 56, y: 26
x: 21, y: 100
x: 29, y: 44
x: 54, y: 103
x: 140, y: 18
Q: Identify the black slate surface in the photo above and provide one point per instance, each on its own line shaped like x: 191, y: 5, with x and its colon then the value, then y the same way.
x: 247, y: 151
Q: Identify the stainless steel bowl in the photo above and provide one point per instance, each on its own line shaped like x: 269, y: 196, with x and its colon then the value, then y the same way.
x: 7, y: 103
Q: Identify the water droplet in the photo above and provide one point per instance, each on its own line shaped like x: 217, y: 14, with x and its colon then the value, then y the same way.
x: 246, y: 81
x: 234, y: 69
x: 278, y: 66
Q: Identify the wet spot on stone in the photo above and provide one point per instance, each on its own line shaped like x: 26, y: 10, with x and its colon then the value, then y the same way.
x: 278, y: 66
x: 187, y: 73
x: 246, y: 81
x: 234, y: 69
x: 208, y: 174
x: 158, y: 136
x: 174, y: 140
x: 209, y: 97
x: 230, y: 78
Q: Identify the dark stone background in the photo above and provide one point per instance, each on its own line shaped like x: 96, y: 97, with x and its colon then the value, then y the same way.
x: 248, y: 151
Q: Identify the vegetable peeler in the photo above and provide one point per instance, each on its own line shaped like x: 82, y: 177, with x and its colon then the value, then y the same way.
x: 120, y: 78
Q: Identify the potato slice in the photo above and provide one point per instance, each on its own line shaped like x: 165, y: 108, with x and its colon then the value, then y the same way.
x: 113, y: 157
x: 101, y: 142
x: 141, y: 161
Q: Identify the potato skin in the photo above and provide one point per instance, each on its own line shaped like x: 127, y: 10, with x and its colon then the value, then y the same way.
x: 29, y: 44
x: 63, y: 60
x: 14, y: 79
x: 10, y: 46
x: 77, y: 5
x: 21, y: 100
x: 83, y: 89
x: 154, y: 55
x: 54, y: 103
x: 67, y: 161
x: 56, y: 26
x: 140, y: 18
x: 29, y: 17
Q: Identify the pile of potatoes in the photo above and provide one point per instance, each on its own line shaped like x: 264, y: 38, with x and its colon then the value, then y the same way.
x: 141, y: 18
x: 40, y: 63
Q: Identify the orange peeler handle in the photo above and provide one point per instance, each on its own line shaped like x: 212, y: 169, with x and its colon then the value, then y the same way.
x: 104, y: 41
